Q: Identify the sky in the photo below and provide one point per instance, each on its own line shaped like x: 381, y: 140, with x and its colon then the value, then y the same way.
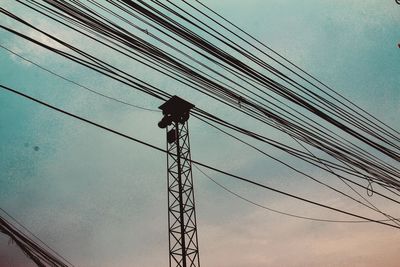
x: 100, y: 200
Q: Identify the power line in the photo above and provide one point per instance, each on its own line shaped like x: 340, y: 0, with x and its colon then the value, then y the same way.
x: 304, y: 104
x: 278, y: 211
x: 359, y: 163
x: 230, y: 40
x: 284, y: 163
x: 65, y: 78
x: 285, y: 59
x: 74, y: 82
x: 80, y: 118
x: 344, y: 180
x: 35, y: 236
x: 196, y: 162
x: 34, y: 251
x: 69, y: 80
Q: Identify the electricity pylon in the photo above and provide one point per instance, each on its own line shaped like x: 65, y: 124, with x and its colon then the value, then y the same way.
x: 183, y: 244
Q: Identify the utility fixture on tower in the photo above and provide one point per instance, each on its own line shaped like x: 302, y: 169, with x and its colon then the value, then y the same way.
x: 183, y: 244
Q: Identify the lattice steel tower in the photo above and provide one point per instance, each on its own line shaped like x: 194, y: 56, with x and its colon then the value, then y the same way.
x: 183, y: 244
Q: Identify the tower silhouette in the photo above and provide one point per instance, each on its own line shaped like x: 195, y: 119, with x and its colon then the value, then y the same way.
x: 183, y: 244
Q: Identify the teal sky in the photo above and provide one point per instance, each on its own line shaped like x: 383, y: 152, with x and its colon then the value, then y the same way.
x: 100, y: 200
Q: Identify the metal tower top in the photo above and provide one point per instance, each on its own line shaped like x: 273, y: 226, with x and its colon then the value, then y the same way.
x: 175, y: 110
x: 176, y: 105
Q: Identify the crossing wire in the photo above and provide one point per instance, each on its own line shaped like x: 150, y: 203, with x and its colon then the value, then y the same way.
x: 237, y: 177
x: 74, y: 82
x: 383, y: 175
x: 275, y: 210
x: 69, y: 80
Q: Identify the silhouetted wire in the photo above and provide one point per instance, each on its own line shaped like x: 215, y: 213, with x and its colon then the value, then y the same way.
x: 284, y: 163
x: 23, y: 244
x: 197, y: 19
x: 33, y: 250
x: 278, y: 211
x: 255, y: 47
x: 354, y: 190
x: 103, y: 43
x: 76, y: 83
x: 36, y: 64
x: 294, y: 98
x: 103, y: 68
x: 243, y: 131
x: 169, y: 10
x: 35, y: 236
x: 193, y: 161
x: 286, y: 60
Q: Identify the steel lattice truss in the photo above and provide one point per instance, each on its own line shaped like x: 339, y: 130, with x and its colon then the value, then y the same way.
x: 183, y: 245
